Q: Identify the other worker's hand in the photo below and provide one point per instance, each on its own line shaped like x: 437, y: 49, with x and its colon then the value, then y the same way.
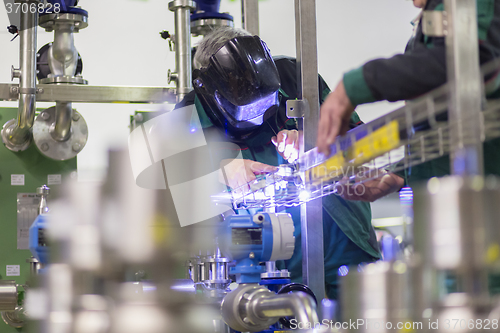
x: 287, y: 144
x: 336, y: 111
x: 237, y: 173
x: 373, y: 189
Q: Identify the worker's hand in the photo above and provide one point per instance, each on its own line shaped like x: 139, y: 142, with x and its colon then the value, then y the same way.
x: 336, y: 111
x: 287, y: 144
x: 237, y: 173
x: 373, y: 189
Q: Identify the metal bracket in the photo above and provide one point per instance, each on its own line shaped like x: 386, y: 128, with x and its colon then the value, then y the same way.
x: 434, y: 23
x: 297, y: 108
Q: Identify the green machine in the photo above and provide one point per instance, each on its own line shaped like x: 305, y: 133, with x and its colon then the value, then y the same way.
x: 21, y: 174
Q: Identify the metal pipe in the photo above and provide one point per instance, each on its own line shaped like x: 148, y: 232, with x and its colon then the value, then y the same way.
x: 182, y: 11
x: 253, y: 308
x: 62, y: 128
x: 298, y: 304
x: 20, y: 133
x: 63, y: 52
x: 270, y: 266
x: 465, y: 88
x: 307, y: 81
x: 8, y: 295
x: 250, y: 16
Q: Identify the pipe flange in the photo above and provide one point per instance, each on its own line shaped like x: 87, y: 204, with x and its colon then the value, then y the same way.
x: 49, y: 21
x: 181, y: 3
x: 14, y: 318
x: 6, y: 136
x: 63, y: 79
x: 201, y: 27
x: 59, y: 150
x: 236, y: 309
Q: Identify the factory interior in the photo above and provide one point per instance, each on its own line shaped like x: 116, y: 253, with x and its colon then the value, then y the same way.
x: 120, y: 211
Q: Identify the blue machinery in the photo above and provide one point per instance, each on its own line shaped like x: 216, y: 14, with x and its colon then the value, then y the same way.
x: 264, y: 295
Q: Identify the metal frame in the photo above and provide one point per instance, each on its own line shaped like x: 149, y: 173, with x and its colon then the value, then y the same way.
x: 307, y: 80
x: 93, y: 94
x: 250, y: 16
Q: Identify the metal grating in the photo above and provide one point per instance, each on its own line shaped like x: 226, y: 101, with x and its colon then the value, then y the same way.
x: 424, y: 135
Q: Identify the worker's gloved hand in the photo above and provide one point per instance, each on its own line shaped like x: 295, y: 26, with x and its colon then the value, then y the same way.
x: 287, y: 144
x: 379, y: 185
x: 334, y: 119
x: 237, y: 173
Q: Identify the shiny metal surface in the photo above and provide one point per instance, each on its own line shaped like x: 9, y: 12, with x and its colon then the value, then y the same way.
x: 63, y: 56
x: 216, y: 270
x: 8, y: 295
x: 297, y: 108
x: 250, y: 16
x: 49, y: 21
x: 182, y: 10
x: 93, y: 94
x: 14, y: 318
x: 378, y: 294
x: 252, y: 308
x: 202, y: 27
x: 35, y: 265
x: 453, y: 210
x: 62, y: 125
x: 433, y: 23
x: 44, y: 192
x: 462, y: 59
x: 63, y: 79
x: 311, y: 213
x: 18, y: 137
x: 59, y: 150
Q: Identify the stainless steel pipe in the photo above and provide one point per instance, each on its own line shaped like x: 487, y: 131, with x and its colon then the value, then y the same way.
x: 17, y: 137
x: 63, y: 51
x: 62, y: 128
x: 253, y: 308
x: 298, y: 304
x: 182, y: 11
x: 8, y: 295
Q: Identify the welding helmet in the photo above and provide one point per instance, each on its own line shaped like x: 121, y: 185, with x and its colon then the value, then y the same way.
x: 239, y: 87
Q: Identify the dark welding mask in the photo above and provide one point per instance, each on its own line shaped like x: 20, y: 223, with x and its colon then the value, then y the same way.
x: 239, y: 87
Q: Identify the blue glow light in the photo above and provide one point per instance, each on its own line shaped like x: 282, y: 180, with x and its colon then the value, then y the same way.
x: 193, y: 130
x: 406, y: 196
x: 343, y: 270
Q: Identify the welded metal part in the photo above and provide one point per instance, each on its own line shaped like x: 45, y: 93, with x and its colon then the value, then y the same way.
x: 462, y: 59
x: 250, y: 16
x: 377, y: 294
x: 8, y: 295
x: 252, y: 308
x: 182, y: 10
x: 307, y: 75
x: 16, y: 134
x: 43, y: 134
x: 93, y: 94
